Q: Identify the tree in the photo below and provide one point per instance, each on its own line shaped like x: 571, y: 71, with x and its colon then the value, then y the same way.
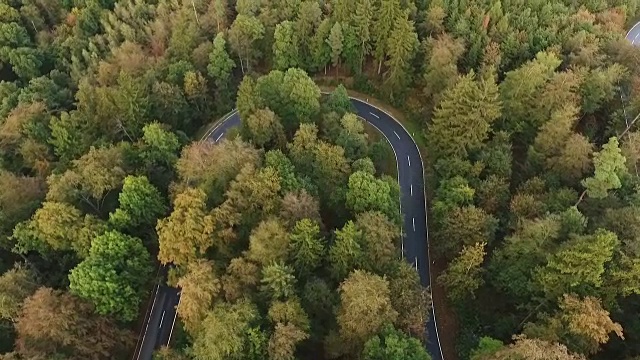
x: 411, y: 300
x: 336, y: 41
x: 220, y: 64
x: 533, y: 349
x: 382, y: 26
x: 289, y: 312
x: 352, y: 137
x: 16, y: 285
x: 365, y: 307
x: 140, y: 204
x: 464, y: 274
x: 283, y: 341
x: 578, y: 265
x: 278, y: 281
x: 587, y: 319
x: 299, y: 205
x: 379, y: 240
x: 441, y: 71
x: 224, y: 331
x: 159, y: 146
x: 264, y: 129
x: 285, y: 46
x: 199, y: 287
x: 92, y: 177
x: 268, y: 243
x: 220, y: 68
x: 320, y: 46
x: 58, y: 226
x: 113, y: 275
x: 366, y: 193
x: 248, y: 99
x: 306, y: 248
x: 401, y: 46
x: 394, y: 344
x: 339, y: 101
x: 243, y: 34
x: 54, y: 323
x: 302, y: 148
x: 211, y: 167
x: 609, y: 165
x: 465, y: 225
x: 345, y: 253
x: 241, y: 278
x: 459, y: 127
x: 520, y: 89
x: 185, y: 234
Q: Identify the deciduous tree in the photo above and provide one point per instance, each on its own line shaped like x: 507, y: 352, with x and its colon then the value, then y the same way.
x: 113, y: 275
x: 365, y: 307
x: 199, y: 287
x: 140, y: 204
x: 185, y: 234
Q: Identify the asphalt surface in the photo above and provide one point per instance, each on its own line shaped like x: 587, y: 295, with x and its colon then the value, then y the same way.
x: 413, y: 209
x: 634, y: 34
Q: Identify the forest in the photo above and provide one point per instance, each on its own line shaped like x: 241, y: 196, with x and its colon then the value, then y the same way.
x: 284, y: 237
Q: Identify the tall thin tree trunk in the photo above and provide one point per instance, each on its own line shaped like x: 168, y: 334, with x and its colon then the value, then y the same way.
x: 379, y: 66
x: 241, y: 64
x: 195, y: 12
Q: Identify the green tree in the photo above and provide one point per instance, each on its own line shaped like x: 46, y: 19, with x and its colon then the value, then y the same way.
x: 113, y: 275
x: 463, y: 276
x: 159, y: 146
x: 140, y: 204
x: 320, y: 46
x: 243, y: 35
x: 609, y: 165
x: 285, y: 46
x: 383, y: 23
x: 220, y: 65
x: 339, y: 101
x: 394, y: 344
x: 336, y: 43
x: 401, y: 46
x: 411, y: 300
x: 278, y: 281
x: 366, y: 193
x: 224, y: 331
x: 345, y: 253
x: 459, y: 127
x: 578, y: 265
x: 306, y: 248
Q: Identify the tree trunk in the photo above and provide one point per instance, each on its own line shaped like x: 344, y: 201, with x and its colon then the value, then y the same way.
x: 241, y: 65
x: 379, y: 66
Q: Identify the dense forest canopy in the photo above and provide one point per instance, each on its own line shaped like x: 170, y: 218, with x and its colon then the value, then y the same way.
x: 284, y: 236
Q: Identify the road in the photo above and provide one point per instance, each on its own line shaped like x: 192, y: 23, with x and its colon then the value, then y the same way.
x: 634, y: 34
x: 412, y: 204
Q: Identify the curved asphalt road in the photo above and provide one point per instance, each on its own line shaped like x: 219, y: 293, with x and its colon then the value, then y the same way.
x: 634, y: 34
x: 412, y: 207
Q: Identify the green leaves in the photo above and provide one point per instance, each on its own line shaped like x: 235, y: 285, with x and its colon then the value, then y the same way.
x: 140, y: 204
x: 113, y: 275
x: 609, y: 165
